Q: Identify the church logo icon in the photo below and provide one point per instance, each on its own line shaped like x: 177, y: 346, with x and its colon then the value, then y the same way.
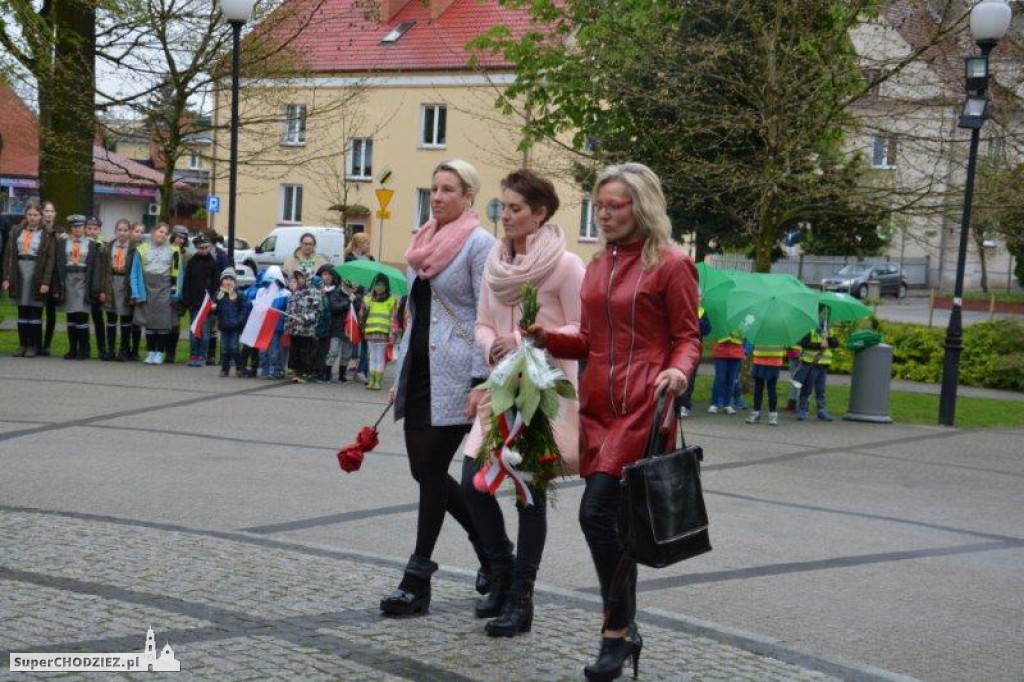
x: 164, y: 662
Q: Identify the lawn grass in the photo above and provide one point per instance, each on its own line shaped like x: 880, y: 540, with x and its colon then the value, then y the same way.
x: 904, y: 407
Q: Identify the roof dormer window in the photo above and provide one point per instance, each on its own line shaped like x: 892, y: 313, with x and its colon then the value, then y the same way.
x: 397, y: 32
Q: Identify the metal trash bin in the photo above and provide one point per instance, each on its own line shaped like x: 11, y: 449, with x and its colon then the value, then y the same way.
x: 869, y: 385
x: 874, y: 289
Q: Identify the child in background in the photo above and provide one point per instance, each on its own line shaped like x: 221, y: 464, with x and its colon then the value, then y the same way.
x: 767, y: 364
x: 303, y: 311
x: 378, y: 312
x: 728, y: 354
x: 322, y: 333
x: 232, y: 311
x: 816, y: 359
x: 339, y: 303
x: 274, y: 292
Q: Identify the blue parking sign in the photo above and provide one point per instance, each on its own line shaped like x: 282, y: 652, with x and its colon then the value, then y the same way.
x: 213, y: 203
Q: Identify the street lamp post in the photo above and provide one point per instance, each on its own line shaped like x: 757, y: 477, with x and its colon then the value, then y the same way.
x: 237, y: 12
x: 990, y: 20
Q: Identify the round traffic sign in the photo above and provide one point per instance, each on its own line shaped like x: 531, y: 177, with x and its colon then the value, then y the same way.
x: 494, y: 210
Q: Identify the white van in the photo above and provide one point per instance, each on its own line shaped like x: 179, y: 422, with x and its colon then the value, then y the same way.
x: 281, y: 243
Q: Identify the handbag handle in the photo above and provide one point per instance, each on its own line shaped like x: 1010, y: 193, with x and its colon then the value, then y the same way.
x: 655, y: 439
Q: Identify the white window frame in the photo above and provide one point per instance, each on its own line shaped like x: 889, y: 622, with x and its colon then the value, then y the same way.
x: 195, y: 162
x: 422, y: 208
x: 293, y: 133
x: 883, y: 151
x: 438, y: 132
x: 291, y: 196
x: 588, y: 228
x: 359, y: 163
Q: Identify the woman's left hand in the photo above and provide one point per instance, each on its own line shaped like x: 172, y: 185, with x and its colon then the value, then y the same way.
x: 672, y: 380
x: 473, y: 402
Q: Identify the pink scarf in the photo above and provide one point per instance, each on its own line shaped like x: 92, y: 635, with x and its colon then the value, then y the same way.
x: 506, y: 277
x: 434, y: 247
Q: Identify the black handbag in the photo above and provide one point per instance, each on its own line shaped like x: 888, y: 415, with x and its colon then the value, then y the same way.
x: 662, y: 518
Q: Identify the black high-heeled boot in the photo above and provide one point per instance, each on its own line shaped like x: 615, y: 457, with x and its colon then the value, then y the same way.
x: 413, y: 593
x: 516, y: 615
x: 614, y: 653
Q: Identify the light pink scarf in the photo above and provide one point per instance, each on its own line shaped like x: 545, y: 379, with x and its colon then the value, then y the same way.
x: 506, y: 276
x: 434, y: 247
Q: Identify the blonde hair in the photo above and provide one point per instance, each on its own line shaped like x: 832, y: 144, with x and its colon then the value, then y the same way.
x: 648, y: 208
x: 465, y: 172
x: 360, y: 239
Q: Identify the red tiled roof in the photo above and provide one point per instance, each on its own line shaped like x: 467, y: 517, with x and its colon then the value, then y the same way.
x: 20, y: 153
x: 340, y: 38
x: 113, y: 169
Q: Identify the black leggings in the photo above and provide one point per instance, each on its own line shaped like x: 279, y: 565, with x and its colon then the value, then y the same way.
x: 773, y: 395
x: 30, y: 326
x: 97, y: 323
x: 51, y: 321
x: 615, y: 571
x: 113, y: 322
x: 431, y: 449
x: 490, y: 524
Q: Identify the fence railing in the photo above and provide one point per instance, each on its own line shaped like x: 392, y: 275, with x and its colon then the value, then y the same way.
x: 811, y: 269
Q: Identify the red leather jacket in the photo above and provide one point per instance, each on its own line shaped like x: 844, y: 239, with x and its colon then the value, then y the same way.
x: 634, y: 324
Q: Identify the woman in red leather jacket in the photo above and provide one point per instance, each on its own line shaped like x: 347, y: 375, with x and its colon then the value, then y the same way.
x: 639, y: 333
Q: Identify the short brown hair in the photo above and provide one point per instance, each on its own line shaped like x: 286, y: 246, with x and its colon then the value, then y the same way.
x: 537, y: 191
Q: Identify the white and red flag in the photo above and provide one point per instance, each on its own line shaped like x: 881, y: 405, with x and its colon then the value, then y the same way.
x: 204, y: 311
x: 259, y: 330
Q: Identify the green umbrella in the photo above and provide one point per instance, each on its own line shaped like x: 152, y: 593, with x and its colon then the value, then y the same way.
x: 843, y: 307
x: 363, y: 272
x: 709, y: 277
x: 715, y: 296
x: 772, y: 309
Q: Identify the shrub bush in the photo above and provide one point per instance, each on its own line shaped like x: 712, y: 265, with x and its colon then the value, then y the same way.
x: 992, y: 357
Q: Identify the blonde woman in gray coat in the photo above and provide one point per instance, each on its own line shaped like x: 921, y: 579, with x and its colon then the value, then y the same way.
x: 439, y: 365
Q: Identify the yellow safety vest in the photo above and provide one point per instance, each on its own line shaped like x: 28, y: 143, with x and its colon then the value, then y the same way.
x: 378, y: 314
x: 773, y: 356
x: 817, y: 356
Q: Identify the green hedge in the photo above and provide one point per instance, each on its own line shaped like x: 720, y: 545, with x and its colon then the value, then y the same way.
x: 992, y: 357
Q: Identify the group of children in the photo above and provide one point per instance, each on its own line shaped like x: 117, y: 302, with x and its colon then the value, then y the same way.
x: 138, y: 281
x: 808, y: 363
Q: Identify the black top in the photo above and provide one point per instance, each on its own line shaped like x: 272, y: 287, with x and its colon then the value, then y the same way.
x: 417, y: 391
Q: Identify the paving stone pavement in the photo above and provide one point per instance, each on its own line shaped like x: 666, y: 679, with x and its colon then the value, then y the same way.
x: 235, y: 608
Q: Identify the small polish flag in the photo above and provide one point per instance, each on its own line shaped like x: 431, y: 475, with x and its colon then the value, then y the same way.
x: 352, y: 330
x: 259, y: 330
x: 204, y: 312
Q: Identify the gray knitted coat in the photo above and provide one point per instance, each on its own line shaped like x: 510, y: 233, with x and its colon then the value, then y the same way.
x: 454, y: 362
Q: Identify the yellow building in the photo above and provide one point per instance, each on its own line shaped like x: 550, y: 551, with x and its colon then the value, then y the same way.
x: 382, y: 94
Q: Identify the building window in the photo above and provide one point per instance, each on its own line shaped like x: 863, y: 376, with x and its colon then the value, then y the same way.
x: 291, y: 203
x: 194, y: 161
x: 359, y: 159
x: 588, y: 229
x: 422, y: 208
x: 883, y: 151
x: 870, y: 76
x: 435, y: 119
x: 294, y: 124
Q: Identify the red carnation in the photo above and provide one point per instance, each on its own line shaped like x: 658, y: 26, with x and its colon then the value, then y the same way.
x: 367, y: 438
x: 350, y: 458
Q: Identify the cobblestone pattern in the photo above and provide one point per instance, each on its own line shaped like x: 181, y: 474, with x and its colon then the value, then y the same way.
x: 234, y: 610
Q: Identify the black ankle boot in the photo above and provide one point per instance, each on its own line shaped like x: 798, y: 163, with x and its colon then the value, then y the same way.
x: 614, y: 653
x: 516, y: 614
x: 500, y: 583
x: 413, y: 593
x: 83, y: 344
x: 72, y: 344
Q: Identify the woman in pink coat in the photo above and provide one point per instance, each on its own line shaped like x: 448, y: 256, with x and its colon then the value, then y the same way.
x: 532, y: 251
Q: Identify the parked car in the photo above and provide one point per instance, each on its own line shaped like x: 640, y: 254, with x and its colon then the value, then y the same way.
x: 245, y: 276
x: 281, y: 243
x: 854, y: 279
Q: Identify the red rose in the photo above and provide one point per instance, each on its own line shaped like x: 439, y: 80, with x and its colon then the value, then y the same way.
x: 350, y: 458
x: 367, y: 438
